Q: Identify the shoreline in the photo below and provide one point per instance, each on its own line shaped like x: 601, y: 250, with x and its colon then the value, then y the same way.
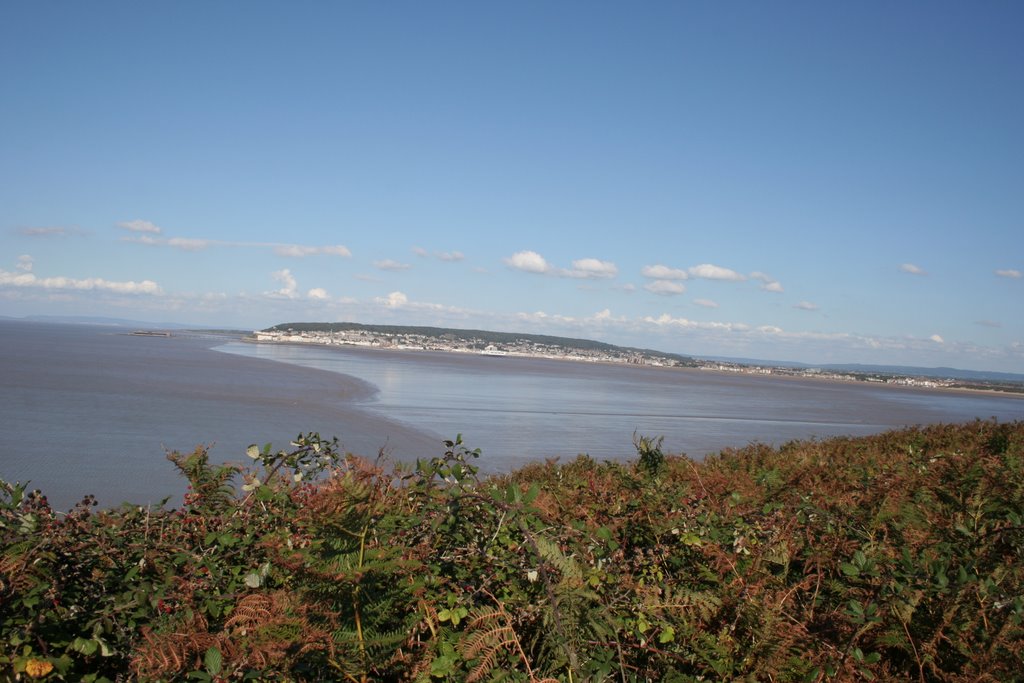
x: 995, y: 393
x: 861, y: 383
x: 112, y: 404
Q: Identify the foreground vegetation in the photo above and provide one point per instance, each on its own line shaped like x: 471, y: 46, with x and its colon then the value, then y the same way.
x: 892, y: 557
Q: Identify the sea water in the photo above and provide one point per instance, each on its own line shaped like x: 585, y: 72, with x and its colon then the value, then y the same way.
x: 95, y: 410
x: 520, y: 409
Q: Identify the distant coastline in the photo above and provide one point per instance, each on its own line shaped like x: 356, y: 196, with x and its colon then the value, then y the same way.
x: 409, y: 338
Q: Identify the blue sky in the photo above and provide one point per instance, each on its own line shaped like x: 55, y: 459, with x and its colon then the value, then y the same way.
x: 812, y: 181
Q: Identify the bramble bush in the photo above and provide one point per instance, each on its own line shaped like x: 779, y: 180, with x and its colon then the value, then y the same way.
x: 890, y: 557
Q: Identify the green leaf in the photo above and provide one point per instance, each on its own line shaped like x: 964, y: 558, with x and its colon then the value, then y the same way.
x: 213, y: 660
x: 85, y: 646
x: 531, y: 494
x: 813, y: 675
x: 668, y: 634
x: 442, y: 666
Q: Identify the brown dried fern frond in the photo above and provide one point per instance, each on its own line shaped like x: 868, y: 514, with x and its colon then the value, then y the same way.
x: 489, y: 633
x: 166, y: 654
x: 15, y: 574
x: 251, y: 611
x: 271, y: 629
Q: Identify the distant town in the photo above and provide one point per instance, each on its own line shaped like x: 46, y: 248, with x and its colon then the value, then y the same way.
x: 497, y: 344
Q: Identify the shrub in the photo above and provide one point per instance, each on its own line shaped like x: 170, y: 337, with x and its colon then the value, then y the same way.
x: 890, y: 557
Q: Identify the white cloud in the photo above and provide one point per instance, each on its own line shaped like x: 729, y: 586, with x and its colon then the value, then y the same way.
x: 289, y: 286
x: 388, y: 264
x: 585, y: 268
x: 665, y: 287
x: 151, y: 238
x: 300, y: 251
x: 600, y: 323
x: 937, y: 339
x: 24, y: 263
x: 188, y: 243
x: 317, y: 294
x: 806, y: 306
x: 542, y: 317
x: 768, y: 283
x: 185, y: 243
x: 988, y: 323
x: 436, y: 312
x: 29, y: 279
x: 528, y: 261
x: 591, y: 268
x: 706, y: 303
x: 440, y: 255
x: 1009, y: 272
x: 912, y: 269
x: 394, y: 300
x: 665, y: 320
x: 140, y: 226
x: 145, y: 239
x: 55, y: 231
x: 660, y: 272
x: 712, y: 272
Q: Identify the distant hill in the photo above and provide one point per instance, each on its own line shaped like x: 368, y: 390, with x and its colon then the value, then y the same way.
x: 902, y: 370
x: 946, y: 373
x: 468, y: 335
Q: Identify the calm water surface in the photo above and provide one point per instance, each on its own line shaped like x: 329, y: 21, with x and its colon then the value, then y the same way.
x: 94, y: 410
x: 522, y: 409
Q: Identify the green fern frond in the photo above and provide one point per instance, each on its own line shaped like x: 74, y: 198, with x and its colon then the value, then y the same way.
x: 566, y: 565
x: 690, y: 604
